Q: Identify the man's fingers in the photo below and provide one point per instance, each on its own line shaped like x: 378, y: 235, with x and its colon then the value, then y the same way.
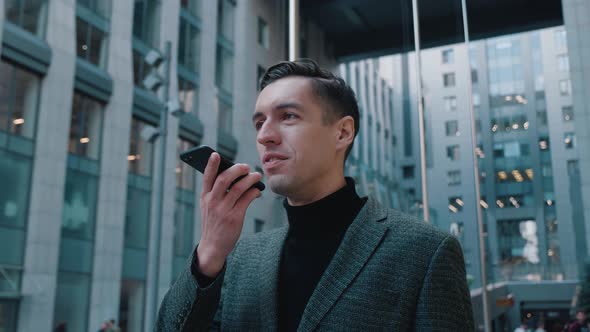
x: 246, y: 199
x: 210, y: 172
x: 225, y: 179
x: 240, y: 187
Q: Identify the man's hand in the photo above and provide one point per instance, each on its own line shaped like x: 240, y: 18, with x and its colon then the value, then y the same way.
x: 223, y: 211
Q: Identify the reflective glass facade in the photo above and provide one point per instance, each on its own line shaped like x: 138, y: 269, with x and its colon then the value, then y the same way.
x: 19, y: 96
x: 79, y: 214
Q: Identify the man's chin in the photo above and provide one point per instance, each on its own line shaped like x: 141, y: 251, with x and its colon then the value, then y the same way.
x: 280, y: 184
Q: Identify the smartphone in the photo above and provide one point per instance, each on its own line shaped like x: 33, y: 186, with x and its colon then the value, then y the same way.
x: 198, y: 157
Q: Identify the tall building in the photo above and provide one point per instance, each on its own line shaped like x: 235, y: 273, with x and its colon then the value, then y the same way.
x: 527, y: 157
x: 372, y: 162
x: 81, y: 93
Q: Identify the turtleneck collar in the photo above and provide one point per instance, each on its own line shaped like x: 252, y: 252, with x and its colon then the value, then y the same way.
x: 333, y: 213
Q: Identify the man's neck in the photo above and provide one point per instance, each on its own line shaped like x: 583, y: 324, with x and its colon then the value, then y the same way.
x: 322, y: 191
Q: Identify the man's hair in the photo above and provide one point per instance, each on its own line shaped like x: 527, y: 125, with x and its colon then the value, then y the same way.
x: 329, y: 88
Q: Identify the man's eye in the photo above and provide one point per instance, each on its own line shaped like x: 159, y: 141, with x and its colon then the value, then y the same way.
x: 258, y: 125
x: 289, y: 116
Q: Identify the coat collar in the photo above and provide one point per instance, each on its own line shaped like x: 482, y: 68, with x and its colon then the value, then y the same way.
x: 359, y: 243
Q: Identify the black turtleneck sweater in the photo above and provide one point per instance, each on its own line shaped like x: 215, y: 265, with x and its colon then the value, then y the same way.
x: 315, y: 232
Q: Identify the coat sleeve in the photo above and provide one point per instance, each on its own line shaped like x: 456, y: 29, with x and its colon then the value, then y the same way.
x: 444, y: 303
x: 189, y: 307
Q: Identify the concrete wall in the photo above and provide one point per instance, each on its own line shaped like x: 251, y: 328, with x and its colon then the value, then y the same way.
x: 111, y: 205
x: 39, y: 278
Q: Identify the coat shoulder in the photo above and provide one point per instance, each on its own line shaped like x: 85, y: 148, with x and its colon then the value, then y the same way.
x: 411, y: 232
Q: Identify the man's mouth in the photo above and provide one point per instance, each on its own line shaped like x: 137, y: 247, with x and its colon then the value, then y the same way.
x: 272, y: 159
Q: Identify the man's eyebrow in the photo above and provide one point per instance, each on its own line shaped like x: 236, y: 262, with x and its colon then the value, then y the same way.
x: 280, y: 106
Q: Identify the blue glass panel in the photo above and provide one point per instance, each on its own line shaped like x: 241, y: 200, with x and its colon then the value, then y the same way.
x: 75, y: 255
x: 134, y: 263
x: 15, y: 173
x: 11, y: 246
x: 71, y: 301
x: 79, y: 210
x: 137, y: 218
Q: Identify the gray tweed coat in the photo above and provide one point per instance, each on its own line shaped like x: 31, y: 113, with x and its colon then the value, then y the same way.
x: 391, y: 272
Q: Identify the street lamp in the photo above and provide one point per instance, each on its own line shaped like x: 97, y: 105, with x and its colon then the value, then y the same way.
x: 153, y: 82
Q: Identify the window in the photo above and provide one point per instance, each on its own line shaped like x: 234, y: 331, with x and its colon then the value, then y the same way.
x: 452, y: 128
x: 450, y: 103
x: 448, y: 56
x: 225, y: 117
x: 184, y: 212
x: 263, y: 38
x: 91, y: 43
x: 573, y: 168
x: 102, y: 8
x: 140, y: 150
x: 189, y: 46
x: 453, y: 152
x: 408, y: 172
x: 517, y: 242
x: 85, y: 127
x: 570, y: 140
x: 454, y: 178
x: 568, y: 113
x: 15, y: 172
x: 79, y: 210
x: 131, y: 304
x: 137, y: 217
x: 72, y: 297
x: 224, y: 69
x: 449, y: 79
x: 8, y: 315
x: 145, y: 21
x: 474, y: 77
x: 542, y: 117
x: 30, y: 15
x: 544, y: 143
x: 258, y: 225
x: 565, y: 87
x: 19, y: 94
x: 188, y: 95
x: 561, y: 39
x: 259, y: 76
x: 185, y: 175
x: 563, y: 63
x: 225, y: 21
x: 192, y: 6
x: 476, y: 99
x: 456, y: 204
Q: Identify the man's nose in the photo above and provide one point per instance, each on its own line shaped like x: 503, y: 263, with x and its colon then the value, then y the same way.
x: 268, y: 134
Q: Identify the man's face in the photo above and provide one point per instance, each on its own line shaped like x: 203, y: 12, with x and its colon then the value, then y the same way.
x: 298, y: 150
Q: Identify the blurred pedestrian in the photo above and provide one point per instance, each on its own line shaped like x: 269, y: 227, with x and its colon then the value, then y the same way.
x: 579, y: 325
x: 540, y: 327
x: 113, y: 326
x: 61, y: 327
x: 522, y: 328
x: 105, y: 326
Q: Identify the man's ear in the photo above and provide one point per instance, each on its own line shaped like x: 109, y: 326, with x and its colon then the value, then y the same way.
x: 345, y: 132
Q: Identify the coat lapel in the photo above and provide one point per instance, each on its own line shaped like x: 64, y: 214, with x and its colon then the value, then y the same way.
x: 359, y: 243
x: 269, y: 276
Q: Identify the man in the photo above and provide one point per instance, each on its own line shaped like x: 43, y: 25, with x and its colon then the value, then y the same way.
x: 342, y: 263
